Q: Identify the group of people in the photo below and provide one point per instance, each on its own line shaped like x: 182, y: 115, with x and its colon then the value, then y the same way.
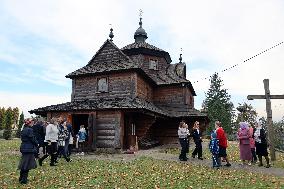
x: 54, y: 137
x: 217, y: 145
x: 252, y: 143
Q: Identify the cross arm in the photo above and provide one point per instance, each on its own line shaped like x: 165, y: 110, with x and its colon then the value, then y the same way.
x: 251, y: 97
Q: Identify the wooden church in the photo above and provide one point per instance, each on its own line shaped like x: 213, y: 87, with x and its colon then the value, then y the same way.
x: 127, y: 95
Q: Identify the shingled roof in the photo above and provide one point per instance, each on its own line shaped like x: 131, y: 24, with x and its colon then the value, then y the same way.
x: 181, y: 112
x: 108, y: 58
x: 172, y: 76
x: 119, y: 103
x: 137, y: 45
x: 145, y: 48
x: 101, y: 104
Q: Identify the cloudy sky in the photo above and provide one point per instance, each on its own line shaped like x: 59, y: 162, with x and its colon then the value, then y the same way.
x: 42, y: 41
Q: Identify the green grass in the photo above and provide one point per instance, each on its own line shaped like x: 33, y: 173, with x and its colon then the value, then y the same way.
x: 141, y: 173
x: 232, y: 151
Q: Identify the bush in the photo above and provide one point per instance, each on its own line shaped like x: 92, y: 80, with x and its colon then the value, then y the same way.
x: 7, y: 134
x: 232, y: 137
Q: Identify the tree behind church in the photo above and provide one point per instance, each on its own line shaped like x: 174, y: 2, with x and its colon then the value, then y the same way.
x: 218, y: 104
x: 8, y: 124
x: 2, y: 118
x: 21, y: 123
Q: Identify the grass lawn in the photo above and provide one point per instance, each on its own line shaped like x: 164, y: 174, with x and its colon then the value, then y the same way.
x: 233, y: 153
x: 144, y: 172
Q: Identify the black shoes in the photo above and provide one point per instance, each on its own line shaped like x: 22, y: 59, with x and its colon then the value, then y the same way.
x: 23, y: 181
x: 40, y: 162
x: 183, y: 159
x: 228, y: 165
x: 201, y: 158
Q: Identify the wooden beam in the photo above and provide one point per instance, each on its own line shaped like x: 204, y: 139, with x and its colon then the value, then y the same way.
x: 269, y: 120
x: 270, y: 128
x: 276, y: 96
x: 251, y: 97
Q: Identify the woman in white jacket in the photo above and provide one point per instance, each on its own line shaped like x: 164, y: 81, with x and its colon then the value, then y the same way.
x: 51, y: 138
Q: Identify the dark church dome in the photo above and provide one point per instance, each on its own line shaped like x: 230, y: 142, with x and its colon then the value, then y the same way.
x: 140, y: 35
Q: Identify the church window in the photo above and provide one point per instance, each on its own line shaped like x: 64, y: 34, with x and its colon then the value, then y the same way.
x: 102, y: 84
x: 153, y: 64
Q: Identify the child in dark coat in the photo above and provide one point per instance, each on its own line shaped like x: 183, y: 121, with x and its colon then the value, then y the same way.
x: 214, y: 149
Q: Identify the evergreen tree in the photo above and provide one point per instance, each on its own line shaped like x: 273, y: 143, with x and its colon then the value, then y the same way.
x: 8, y: 124
x: 218, y: 104
x: 16, y: 114
x: 2, y: 118
x: 21, y: 122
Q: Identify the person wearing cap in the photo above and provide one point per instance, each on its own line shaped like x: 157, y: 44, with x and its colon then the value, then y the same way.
x: 28, y: 149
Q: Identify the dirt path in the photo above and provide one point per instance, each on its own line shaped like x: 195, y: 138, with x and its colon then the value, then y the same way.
x: 156, y: 154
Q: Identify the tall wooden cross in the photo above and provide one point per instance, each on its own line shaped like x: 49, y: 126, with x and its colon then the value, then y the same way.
x: 267, y: 96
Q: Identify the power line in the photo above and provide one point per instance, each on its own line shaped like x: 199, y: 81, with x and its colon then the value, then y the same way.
x: 243, y: 61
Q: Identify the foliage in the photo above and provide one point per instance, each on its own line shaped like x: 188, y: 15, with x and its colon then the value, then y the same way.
x: 143, y: 172
x: 218, y: 104
x: 21, y: 122
x: 2, y: 118
x: 263, y: 122
x: 279, y: 134
x: 8, y: 124
x: 246, y: 113
x: 15, y: 116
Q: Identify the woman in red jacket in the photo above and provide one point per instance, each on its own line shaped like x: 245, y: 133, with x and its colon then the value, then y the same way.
x: 221, y: 136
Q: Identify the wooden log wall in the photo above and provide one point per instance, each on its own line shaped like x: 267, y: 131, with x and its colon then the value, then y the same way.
x: 119, y: 85
x: 143, y: 123
x: 108, y: 127
x: 162, y: 64
x: 166, y: 130
x: 176, y: 98
x: 144, y: 89
x: 64, y: 115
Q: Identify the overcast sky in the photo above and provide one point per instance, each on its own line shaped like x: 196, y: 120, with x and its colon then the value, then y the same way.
x: 42, y: 41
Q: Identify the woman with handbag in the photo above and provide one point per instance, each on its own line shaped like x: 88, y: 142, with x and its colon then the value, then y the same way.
x: 244, y: 139
x: 28, y: 149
